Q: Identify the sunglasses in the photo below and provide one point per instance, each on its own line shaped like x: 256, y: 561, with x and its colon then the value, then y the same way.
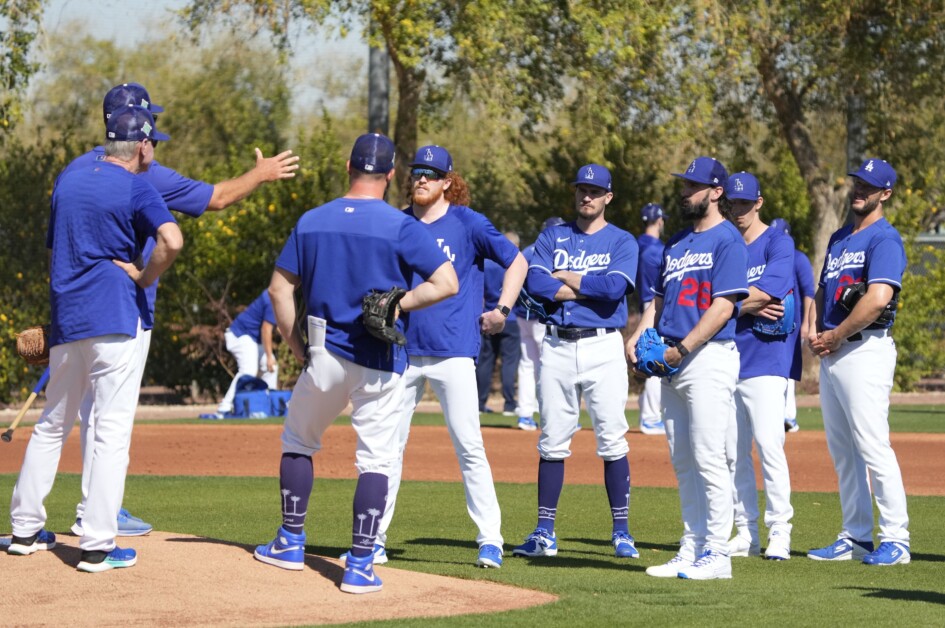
x: 430, y: 175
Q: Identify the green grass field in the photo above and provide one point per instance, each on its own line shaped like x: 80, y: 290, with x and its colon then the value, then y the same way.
x: 433, y: 534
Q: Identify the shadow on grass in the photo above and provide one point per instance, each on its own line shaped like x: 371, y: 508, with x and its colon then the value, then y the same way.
x: 932, y: 597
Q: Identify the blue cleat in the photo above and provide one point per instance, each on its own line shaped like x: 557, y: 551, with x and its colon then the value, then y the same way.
x: 538, y: 543
x: 652, y: 428
x: 624, y: 545
x: 98, y: 561
x: 129, y: 525
x: 489, y: 556
x: 24, y: 546
x: 889, y: 553
x: 359, y: 575
x: 842, y: 549
x: 287, y: 551
x: 380, y: 555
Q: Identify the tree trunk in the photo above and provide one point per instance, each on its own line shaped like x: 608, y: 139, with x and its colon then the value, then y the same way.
x: 409, y: 88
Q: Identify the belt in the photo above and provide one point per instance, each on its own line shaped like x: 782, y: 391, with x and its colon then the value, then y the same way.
x: 577, y: 333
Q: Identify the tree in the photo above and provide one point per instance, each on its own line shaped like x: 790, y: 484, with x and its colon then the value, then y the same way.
x: 19, y: 22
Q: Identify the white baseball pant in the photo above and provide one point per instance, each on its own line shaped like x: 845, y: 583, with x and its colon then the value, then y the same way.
x: 855, y: 383
x: 790, y: 401
x: 650, y: 400
x: 109, y: 365
x: 250, y: 360
x: 594, y: 368
x: 697, y: 406
x: 759, y: 417
x: 453, y: 380
x: 531, y: 333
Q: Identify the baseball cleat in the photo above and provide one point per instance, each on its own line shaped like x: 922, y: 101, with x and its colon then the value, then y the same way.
x: 26, y: 545
x: 380, y: 555
x: 129, y: 525
x: 527, y: 423
x: 508, y: 413
x: 287, y: 551
x: 76, y: 528
x: 489, y: 556
x: 359, y: 575
x: 710, y: 566
x: 670, y: 569
x: 889, y: 553
x: 624, y: 545
x: 97, y: 561
x: 740, y: 547
x: 790, y: 425
x: 779, y: 545
x: 538, y: 543
x: 652, y: 428
x: 842, y: 549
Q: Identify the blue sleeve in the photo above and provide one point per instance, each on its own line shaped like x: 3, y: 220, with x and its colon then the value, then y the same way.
x: 418, y: 248
x: 730, y: 271
x: 181, y: 194
x: 804, y: 275
x: 778, y: 277
x: 289, y: 257
x: 605, y: 287
x: 888, y: 259
x: 490, y: 244
x: 269, y: 314
x: 150, y: 210
x: 539, y: 283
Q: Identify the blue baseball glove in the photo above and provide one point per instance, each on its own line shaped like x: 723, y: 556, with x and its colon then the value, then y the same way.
x: 533, y: 307
x: 650, y: 352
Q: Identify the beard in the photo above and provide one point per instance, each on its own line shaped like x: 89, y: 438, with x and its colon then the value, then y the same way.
x: 867, y: 208
x: 694, y: 212
x: 426, y: 196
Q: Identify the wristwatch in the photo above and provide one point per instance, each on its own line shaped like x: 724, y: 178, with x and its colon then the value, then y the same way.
x: 504, y: 310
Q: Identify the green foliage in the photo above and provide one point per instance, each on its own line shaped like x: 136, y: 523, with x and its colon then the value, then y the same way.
x: 19, y: 22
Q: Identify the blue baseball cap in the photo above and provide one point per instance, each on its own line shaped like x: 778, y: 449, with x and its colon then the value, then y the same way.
x: 705, y: 170
x: 781, y: 225
x: 128, y: 94
x: 433, y: 157
x: 877, y: 173
x: 554, y: 221
x: 651, y: 212
x: 132, y: 123
x: 593, y: 174
x: 743, y: 186
x: 373, y: 153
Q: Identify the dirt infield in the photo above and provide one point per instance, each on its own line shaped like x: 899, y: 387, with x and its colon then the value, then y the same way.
x: 222, y: 584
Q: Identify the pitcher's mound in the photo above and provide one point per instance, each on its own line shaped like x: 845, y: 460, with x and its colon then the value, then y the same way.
x: 183, y: 580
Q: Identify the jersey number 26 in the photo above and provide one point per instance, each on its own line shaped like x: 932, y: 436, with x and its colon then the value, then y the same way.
x: 695, y: 293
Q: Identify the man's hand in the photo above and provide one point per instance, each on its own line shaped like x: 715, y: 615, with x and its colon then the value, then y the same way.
x: 282, y: 166
x: 825, y: 342
x: 270, y: 363
x: 492, y: 322
x: 773, y: 311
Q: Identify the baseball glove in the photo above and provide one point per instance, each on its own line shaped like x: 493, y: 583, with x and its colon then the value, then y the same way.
x: 33, y: 344
x: 533, y: 307
x: 380, y: 313
x: 852, y: 293
x: 651, y: 352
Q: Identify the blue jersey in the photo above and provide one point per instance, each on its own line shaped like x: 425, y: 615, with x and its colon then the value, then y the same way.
x: 251, y: 319
x: 648, y: 268
x: 697, y: 268
x: 181, y: 194
x: 771, y: 270
x: 450, y: 328
x: 99, y: 213
x: 803, y: 289
x: 874, y: 255
x: 607, y: 260
x: 344, y: 249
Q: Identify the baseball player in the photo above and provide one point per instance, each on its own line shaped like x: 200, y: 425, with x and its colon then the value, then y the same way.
x: 101, y: 215
x: 338, y: 253
x: 804, y: 290
x: 648, y: 273
x: 765, y: 323
x: 586, y: 268
x: 858, y: 361
x: 506, y: 343
x: 531, y: 335
x: 443, y: 340
x: 703, y: 276
x: 249, y: 340
x: 184, y: 196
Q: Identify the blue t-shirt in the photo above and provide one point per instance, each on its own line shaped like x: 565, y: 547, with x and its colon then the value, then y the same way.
x: 99, y: 213
x: 450, y: 328
x: 803, y: 289
x: 181, y: 194
x: 344, y: 249
x: 874, y: 254
x: 697, y: 268
x: 251, y: 319
x: 606, y: 258
x: 648, y: 268
x: 771, y: 270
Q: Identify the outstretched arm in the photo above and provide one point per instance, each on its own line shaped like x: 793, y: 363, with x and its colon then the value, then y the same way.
x: 282, y: 166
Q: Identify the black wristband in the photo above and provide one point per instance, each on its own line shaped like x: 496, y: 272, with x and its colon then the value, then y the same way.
x: 683, y: 351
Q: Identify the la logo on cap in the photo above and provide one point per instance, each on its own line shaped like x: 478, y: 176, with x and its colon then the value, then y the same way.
x: 428, y: 156
x: 692, y: 166
x: 738, y: 185
x: 869, y: 167
x: 589, y: 175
